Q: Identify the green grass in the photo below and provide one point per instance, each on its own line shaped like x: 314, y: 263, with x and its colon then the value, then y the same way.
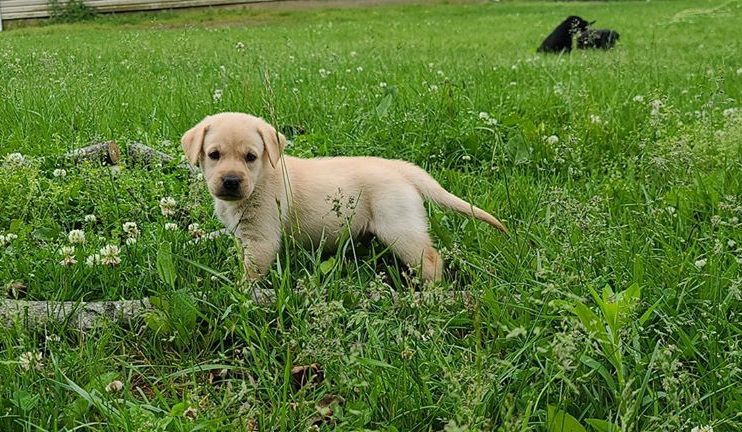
x: 615, y: 297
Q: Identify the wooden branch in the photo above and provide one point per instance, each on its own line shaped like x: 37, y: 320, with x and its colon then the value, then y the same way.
x: 85, y: 315
x: 107, y: 153
x: 140, y: 154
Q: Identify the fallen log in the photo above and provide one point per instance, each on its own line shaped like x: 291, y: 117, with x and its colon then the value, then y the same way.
x: 85, y: 315
x: 106, y: 153
x: 140, y: 154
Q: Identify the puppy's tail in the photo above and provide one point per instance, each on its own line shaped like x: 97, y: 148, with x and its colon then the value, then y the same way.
x: 433, y: 191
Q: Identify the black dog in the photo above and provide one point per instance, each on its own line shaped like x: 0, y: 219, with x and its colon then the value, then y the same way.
x: 560, y: 40
x: 597, y: 38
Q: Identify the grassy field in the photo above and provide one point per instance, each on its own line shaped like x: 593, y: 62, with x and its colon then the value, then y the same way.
x: 613, y: 304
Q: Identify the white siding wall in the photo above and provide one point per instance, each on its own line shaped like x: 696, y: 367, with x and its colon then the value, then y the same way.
x: 16, y: 9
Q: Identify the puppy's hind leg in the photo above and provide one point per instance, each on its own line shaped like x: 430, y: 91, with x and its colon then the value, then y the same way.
x: 405, y: 230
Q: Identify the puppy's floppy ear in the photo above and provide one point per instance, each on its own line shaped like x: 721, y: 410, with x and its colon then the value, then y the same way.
x: 274, y: 142
x: 193, y: 142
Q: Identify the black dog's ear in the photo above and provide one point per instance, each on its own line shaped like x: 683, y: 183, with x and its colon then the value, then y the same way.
x: 591, y: 22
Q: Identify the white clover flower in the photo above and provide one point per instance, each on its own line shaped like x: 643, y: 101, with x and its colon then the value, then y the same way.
x: 68, y: 256
x: 195, y: 231
x: 382, y: 84
x: 7, y: 238
x: 440, y: 73
x: 59, y: 172
x: 656, y: 105
x: 239, y: 46
x: 700, y: 263
x: 707, y: 428
x: 729, y: 112
x: 639, y: 98
x: 190, y: 413
x: 114, y: 386
x: 109, y: 255
x: 552, y: 140
x: 217, y: 96
x: 171, y: 226
x: 15, y: 159
x: 31, y: 359
x: 595, y: 119
x: 167, y: 206
x: 324, y: 73
x: 76, y: 236
x: 484, y: 115
x: 353, y: 53
x: 131, y: 241
x: 715, y: 220
x: 359, y: 69
x: 433, y: 88
x: 466, y: 157
x: 131, y: 229
x: 731, y: 243
x: 91, y: 218
x: 92, y: 260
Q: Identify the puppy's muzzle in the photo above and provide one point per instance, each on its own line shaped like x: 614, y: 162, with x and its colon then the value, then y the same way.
x: 231, y: 187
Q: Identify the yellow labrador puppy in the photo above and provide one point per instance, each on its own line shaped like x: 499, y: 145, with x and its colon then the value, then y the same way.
x: 258, y: 194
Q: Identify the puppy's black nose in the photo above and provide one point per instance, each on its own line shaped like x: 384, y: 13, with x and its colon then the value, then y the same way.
x: 231, y: 182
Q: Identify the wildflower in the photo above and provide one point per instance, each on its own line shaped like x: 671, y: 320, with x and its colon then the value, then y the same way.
x: 91, y: 218
x: 729, y: 112
x: 92, y: 260
x: 109, y: 255
x: 715, y: 220
x: 701, y: 263
x: 639, y: 98
x: 59, y: 172
x: 656, y: 105
x: 552, y: 139
x: 190, y: 413
x: 76, y: 236
x: 131, y: 241
x: 171, y: 226
x: 440, y: 73
x: 324, y: 73
x: 433, y: 88
x: 131, y: 229
x: 353, y: 53
x: 114, y: 386
x: 240, y: 46
x: 167, y: 206
x: 31, y: 359
x: 731, y: 243
x: 707, y: 428
x: 595, y: 119
x: 382, y: 84
x: 68, y: 256
x: 484, y: 115
x: 217, y: 96
x: 195, y: 231
x: 359, y: 69
x: 466, y: 157
x: 15, y: 159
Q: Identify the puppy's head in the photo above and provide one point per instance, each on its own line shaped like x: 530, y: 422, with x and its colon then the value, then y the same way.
x: 234, y: 151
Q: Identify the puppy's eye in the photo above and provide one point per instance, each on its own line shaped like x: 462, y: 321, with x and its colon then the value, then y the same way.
x: 214, y: 155
x: 250, y: 157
